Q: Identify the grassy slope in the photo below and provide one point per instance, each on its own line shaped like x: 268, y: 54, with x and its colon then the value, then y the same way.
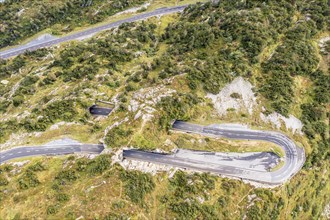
x: 309, y: 185
x: 82, y: 132
x: 108, y: 195
x: 57, y: 29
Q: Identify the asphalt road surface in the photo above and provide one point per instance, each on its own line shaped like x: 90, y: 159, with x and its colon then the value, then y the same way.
x: 20, y: 50
x: 52, y: 150
x: 95, y: 110
x: 293, y: 160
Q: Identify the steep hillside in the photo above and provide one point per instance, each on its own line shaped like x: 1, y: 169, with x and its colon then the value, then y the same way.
x: 25, y: 18
x: 264, y: 64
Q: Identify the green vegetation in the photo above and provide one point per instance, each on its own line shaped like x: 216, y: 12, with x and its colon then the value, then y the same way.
x: 94, y: 167
x: 294, y: 57
x: 68, y: 185
x: 315, y: 116
x: 273, y: 44
x: 235, y: 95
x: 28, y: 179
x: 186, y: 191
x: 117, y: 137
x: 41, y: 119
x: 137, y: 185
x: 3, y: 181
x: 177, y: 107
x: 23, y: 19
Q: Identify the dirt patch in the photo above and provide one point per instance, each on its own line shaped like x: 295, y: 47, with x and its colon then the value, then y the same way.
x: 63, y: 141
x: 135, y: 9
x: 322, y: 43
x: 292, y: 123
x: 237, y: 95
x: 326, y: 211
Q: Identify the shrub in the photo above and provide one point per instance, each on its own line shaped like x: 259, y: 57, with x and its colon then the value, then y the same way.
x: 62, y: 197
x: 99, y: 164
x: 117, y: 136
x: 137, y: 185
x: 114, y: 216
x: 4, y: 105
x: 66, y: 176
x: 3, y: 181
x: 17, y: 100
x: 235, y: 95
x: 177, y: 107
x: 37, y: 167
x: 187, y: 36
x: 49, y: 79
x: 52, y: 209
x: 28, y: 179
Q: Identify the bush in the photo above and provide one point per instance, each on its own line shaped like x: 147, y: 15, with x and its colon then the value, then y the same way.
x: 49, y: 79
x: 114, y: 216
x: 29, y: 80
x: 4, y: 105
x: 3, y: 181
x: 62, y: 197
x: 137, y: 185
x: 186, y: 36
x: 52, y: 209
x: 179, y: 107
x: 66, y: 176
x: 28, y: 179
x: 62, y: 110
x: 6, y: 168
x: 36, y: 167
x: 117, y: 136
x: 37, y: 54
x: 95, y: 166
x: 99, y: 164
x: 184, y: 190
x: 235, y: 95
x: 130, y: 87
x: 17, y: 100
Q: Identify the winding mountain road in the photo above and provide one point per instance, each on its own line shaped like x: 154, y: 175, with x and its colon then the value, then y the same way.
x: 21, y: 152
x: 293, y: 160
x: 294, y: 157
x: 21, y: 49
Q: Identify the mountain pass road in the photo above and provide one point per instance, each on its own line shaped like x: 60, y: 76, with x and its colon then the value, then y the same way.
x: 294, y: 157
x: 21, y: 49
x: 52, y: 150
